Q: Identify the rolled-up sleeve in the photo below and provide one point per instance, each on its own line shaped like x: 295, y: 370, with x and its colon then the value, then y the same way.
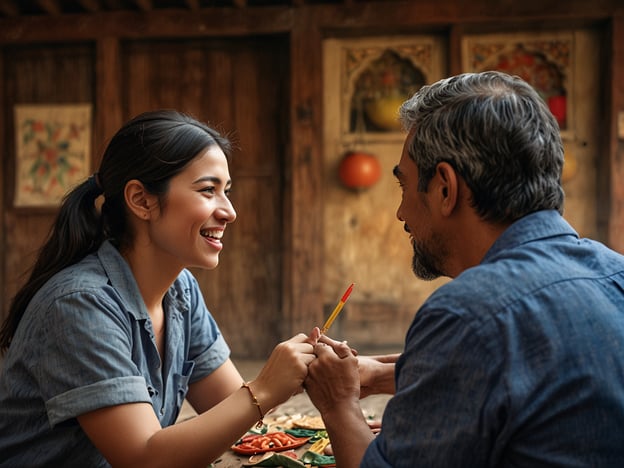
x: 110, y: 392
x: 87, y: 363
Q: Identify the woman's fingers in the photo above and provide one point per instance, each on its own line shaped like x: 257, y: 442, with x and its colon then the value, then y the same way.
x: 314, y: 336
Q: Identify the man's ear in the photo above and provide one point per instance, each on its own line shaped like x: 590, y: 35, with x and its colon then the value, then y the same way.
x: 447, y: 188
x: 139, y: 200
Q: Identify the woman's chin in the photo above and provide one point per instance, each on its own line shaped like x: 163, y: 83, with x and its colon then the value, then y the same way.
x: 208, y: 263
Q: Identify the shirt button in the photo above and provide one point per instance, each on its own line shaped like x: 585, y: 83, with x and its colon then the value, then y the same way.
x: 162, y: 411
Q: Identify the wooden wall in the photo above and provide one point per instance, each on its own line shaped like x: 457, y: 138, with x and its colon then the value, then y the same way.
x: 92, y: 57
x: 58, y: 73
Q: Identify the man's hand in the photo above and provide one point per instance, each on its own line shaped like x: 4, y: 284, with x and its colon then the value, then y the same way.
x: 377, y: 374
x: 333, y: 384
x: 333, y: 377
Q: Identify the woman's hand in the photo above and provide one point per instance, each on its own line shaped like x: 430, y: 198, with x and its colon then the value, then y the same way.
x: 287, y: 367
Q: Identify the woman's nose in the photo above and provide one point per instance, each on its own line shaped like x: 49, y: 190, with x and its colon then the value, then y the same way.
x: 227, y: 211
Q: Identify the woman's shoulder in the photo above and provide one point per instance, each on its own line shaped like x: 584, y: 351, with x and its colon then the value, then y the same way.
x: 86, y: 275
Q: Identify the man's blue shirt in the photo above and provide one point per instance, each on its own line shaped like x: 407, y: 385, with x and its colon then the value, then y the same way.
x: 517, y: 362
x: 86, y: 342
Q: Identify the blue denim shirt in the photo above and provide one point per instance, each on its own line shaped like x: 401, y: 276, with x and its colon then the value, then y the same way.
x: 86, y: 342
x: 517, y: 362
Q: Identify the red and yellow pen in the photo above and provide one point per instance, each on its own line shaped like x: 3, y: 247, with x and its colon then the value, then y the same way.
x: 337, y: 309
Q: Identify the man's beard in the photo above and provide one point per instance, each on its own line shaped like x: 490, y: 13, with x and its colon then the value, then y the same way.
x: 426, y: 265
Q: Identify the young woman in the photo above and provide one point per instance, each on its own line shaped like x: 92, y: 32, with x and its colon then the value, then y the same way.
x: 110, y: 334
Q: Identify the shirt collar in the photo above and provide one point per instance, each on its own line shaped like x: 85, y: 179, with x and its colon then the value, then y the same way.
x: 532, y: 227
x: 121, y: 278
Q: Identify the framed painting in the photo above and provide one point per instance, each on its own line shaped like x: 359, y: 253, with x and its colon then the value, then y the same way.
x: 370, y: 77
x: 545, y: 60
x: 53, y: 152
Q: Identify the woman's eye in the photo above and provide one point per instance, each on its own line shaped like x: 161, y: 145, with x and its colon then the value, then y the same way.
x: 228, y: 192
x: 210, y: 190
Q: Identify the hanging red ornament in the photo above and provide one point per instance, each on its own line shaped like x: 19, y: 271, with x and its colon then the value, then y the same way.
x: 359, y: 170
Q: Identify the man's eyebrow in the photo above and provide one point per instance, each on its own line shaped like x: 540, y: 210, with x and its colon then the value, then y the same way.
x: 397, y: 172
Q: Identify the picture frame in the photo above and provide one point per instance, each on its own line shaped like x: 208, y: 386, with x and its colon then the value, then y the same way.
x: 52, y: 152
x: 369, y: 77
x: 544, y: 59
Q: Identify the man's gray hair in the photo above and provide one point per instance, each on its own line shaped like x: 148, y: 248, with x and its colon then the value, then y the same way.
x: 497, y: 133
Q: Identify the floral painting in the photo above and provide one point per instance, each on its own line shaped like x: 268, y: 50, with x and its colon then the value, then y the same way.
x: 53, y: 144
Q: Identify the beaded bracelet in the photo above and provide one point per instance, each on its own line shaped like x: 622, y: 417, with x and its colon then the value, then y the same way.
x: 260, y: 423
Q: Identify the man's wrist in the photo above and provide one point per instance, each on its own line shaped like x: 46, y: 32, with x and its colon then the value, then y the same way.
x: 384, y: 378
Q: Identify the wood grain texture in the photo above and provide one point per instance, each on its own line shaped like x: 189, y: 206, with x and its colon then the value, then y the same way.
x: 614, y: 198
x: 35, y: 74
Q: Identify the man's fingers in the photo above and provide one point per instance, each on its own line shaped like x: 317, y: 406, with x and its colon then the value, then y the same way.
x: 321, y: 348
x: 341, y: 349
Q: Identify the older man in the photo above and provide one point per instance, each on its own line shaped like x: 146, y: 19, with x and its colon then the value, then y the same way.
x: 519, y: 360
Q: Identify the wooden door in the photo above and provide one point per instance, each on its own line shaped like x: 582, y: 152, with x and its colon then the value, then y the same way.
x: 239, y: 86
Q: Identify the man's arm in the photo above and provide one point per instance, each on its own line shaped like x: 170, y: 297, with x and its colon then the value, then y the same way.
x: 333, y: 384
x: 377, y: 374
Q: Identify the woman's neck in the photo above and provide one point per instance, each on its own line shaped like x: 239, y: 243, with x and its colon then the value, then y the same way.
x: 154, y: 276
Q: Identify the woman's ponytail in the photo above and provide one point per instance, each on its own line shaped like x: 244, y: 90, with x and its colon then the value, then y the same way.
x: 76, y: 232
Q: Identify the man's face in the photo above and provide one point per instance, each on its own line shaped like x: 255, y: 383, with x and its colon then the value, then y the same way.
x: 415, y: 212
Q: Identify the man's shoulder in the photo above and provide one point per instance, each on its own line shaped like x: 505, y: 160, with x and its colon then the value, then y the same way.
x: 531, y: 272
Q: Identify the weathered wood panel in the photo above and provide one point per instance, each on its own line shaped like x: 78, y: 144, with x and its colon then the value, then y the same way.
x: 615, y: 197
x: 351, y: 17
x: 4, y: 150
x: 304, y: 181
x: 215, y: 22
x: 108, y: 84
x: 38, y: 73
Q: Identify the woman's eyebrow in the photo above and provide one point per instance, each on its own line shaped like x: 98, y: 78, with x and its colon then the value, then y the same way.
x: 213, y: 179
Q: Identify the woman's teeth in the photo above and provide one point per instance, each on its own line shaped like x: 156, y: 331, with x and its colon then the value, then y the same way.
x: 215, y: 234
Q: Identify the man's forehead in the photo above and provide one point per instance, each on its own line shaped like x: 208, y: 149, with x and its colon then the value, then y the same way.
x: 408, y: 143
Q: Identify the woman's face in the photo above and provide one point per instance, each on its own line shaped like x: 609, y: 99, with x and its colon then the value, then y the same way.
x: 189, y: 228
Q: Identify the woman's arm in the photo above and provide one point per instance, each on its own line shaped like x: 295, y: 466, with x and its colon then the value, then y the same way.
x: 214, y: 388
x: 130, y: 434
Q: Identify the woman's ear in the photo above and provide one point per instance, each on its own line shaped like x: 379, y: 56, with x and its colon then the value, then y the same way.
x: 139, y: 200
x: 447, y: 187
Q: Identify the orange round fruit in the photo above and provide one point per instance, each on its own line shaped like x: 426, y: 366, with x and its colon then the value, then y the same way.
x: 359, y: 170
